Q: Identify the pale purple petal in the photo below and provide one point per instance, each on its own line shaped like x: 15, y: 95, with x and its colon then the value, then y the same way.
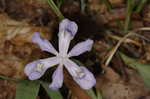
x: 67, y: 30
x: 81, y: 48
x: 35, y: 75
x: 72, y: 67
x: 64, y: 43
x: 87, y: 81
x: 68, y: 26
x: 44, y: 44
x: 36, y: 69
x: 57, y: 78
x: 81, y: 75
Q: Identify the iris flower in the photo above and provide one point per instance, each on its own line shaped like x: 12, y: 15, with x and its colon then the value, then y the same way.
x: 81, y: 75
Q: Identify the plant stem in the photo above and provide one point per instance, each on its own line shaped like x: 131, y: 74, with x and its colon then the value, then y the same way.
x: 108, y: 4
x: 141, y: 5
x: 55, y: 9
x: 129, y: 10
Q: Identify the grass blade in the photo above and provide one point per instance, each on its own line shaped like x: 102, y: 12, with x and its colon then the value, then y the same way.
x: 108, y: 4
x: 129, y: 10
x: 8, y: 78
x: 141, y: 5
x: 55, y: 9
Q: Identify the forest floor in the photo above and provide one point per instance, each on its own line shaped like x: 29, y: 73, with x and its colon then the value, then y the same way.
x: 115, y: 26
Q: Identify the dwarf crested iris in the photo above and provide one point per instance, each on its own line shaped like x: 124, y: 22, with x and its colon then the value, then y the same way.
x: 67, y: 31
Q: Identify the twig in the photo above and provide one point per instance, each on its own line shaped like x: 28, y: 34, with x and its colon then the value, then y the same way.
x: 126, y: 41
x: 112, y: 52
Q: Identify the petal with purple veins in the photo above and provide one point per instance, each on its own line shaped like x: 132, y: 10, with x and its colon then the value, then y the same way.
x: 44, y: 44
x: 64, y: 43
x: 68, y: 26
x: 81, y: 48
x: 36, y: 69
x: 72, y: 67
x: 81, y: 75
x: 57, y: 78
x: 87, y: 81
x: 67, y: 30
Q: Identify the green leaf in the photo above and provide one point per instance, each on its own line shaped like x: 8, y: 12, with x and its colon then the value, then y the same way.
x: 91, y: 93
x: 144, y: 71
x: 27, y: 89
x: 99, y: 96
x: 142, y: 68
x: 52, y: 94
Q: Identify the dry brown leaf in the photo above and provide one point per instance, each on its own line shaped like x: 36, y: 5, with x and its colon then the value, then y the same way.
x: 116, y: 2
x: 114, y: 87
x: 147, y: 53
x: 96, y: 6
x: 146, y: 14
x: 7, y: 89
x: 16, y: 46
x: 18, y: 31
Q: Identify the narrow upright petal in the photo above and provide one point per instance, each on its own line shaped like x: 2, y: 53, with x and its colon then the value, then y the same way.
x: 81, y: 48
x: 87, y: 81
x: 57, y: 78
x: 44, y: 44
x: 36, y: 69
x: 67, y: 30
x: 64, y: 43
x: 68, y: 26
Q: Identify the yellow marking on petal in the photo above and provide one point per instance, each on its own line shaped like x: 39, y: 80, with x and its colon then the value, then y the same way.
x: 80, y: 74
x: 39, y: 67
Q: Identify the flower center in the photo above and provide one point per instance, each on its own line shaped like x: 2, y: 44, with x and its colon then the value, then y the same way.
x: 63, y: 57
